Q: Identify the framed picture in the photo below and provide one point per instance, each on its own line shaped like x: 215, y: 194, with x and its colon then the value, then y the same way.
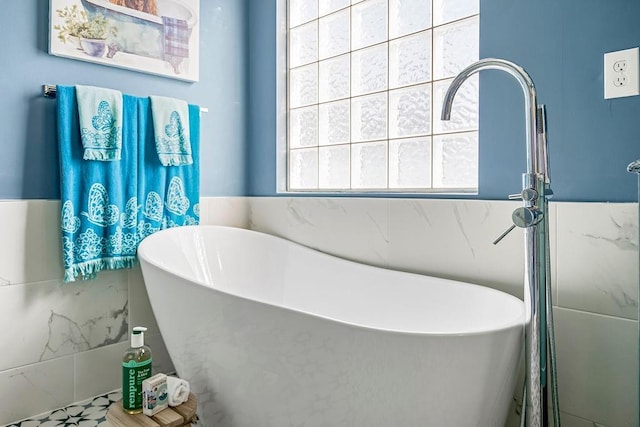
x: 152, y: 36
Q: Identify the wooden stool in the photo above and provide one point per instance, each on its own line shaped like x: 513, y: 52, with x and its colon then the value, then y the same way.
x: 182, y: 415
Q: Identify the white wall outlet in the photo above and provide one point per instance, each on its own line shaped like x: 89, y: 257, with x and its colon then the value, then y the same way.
x: 621, y: 75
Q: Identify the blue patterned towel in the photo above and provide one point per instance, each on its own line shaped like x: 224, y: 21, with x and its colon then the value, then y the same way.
x: 169, y: 197
x: 99, y: 199
x: 171, y: 129
x: 100, y: 113
x: 109, y: 207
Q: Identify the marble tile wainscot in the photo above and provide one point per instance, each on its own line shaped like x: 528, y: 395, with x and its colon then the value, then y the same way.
x: 62, y: 343
x: 594, y: 254
x: 594, y: 249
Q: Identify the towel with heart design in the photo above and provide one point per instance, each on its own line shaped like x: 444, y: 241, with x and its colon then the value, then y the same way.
x: 100, y: 112
x: 171, y: 130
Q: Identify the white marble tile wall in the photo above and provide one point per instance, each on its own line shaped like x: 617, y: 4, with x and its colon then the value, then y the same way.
x: 598, y: 271
x: 598, y: 367
x: 594, y: 253
x: 355, y: 229
x: 62, y: 343
x: 33, y: 389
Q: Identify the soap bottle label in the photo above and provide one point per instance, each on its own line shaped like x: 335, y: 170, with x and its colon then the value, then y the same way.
x: 133, y: 373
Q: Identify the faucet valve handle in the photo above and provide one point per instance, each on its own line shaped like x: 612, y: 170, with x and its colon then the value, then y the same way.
x: 522, y: 217
x: 527, y: 194
x: 503, y: 235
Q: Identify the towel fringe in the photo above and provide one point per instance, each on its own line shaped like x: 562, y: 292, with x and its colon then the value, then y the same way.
x: 175, y: 160
x: 89, y: 269
x: 100, y: 154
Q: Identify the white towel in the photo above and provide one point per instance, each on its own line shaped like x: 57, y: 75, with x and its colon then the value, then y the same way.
x: 171, y: 130
x: 100, y: 118
x: 178, y: 390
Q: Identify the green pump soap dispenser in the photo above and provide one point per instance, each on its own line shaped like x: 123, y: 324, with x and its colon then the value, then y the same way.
x: 136, y: 367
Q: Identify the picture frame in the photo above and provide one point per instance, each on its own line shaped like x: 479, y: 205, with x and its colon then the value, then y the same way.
x: 152, y: 36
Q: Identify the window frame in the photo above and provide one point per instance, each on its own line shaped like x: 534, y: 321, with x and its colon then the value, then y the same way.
x: 282, y: 125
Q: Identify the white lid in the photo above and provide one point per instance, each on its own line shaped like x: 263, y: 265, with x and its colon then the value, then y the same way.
x: 137, y: 336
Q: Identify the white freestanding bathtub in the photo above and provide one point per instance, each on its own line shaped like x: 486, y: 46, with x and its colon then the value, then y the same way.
x: 271, y: 333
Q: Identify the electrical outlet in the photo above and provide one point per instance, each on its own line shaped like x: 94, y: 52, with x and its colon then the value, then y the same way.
x: 620, y: 66
x: 620, y: 80
x: 621, y: 75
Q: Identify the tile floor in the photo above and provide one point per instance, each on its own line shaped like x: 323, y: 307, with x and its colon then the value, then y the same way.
x: 88, y: 413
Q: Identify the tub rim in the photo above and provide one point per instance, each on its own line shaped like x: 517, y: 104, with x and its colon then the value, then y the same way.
x: 513, y: 323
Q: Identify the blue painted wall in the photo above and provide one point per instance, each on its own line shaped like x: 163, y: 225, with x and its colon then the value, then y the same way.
x: 561, y: 44
x: 261, y: 155
x: 27, y: 120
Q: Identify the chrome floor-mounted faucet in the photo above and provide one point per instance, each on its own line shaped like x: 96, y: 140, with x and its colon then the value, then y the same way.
x: 533, y: 218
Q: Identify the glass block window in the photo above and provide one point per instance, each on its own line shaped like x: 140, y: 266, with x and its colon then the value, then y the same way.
x: 365, y: 85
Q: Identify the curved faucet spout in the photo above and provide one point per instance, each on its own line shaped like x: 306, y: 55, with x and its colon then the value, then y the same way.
x: 536, y: 163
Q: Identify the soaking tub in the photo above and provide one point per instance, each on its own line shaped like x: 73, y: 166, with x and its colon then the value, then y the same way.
x: 271, y: 333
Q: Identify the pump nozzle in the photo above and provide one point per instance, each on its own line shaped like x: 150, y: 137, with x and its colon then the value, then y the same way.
x: 137, y: 336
